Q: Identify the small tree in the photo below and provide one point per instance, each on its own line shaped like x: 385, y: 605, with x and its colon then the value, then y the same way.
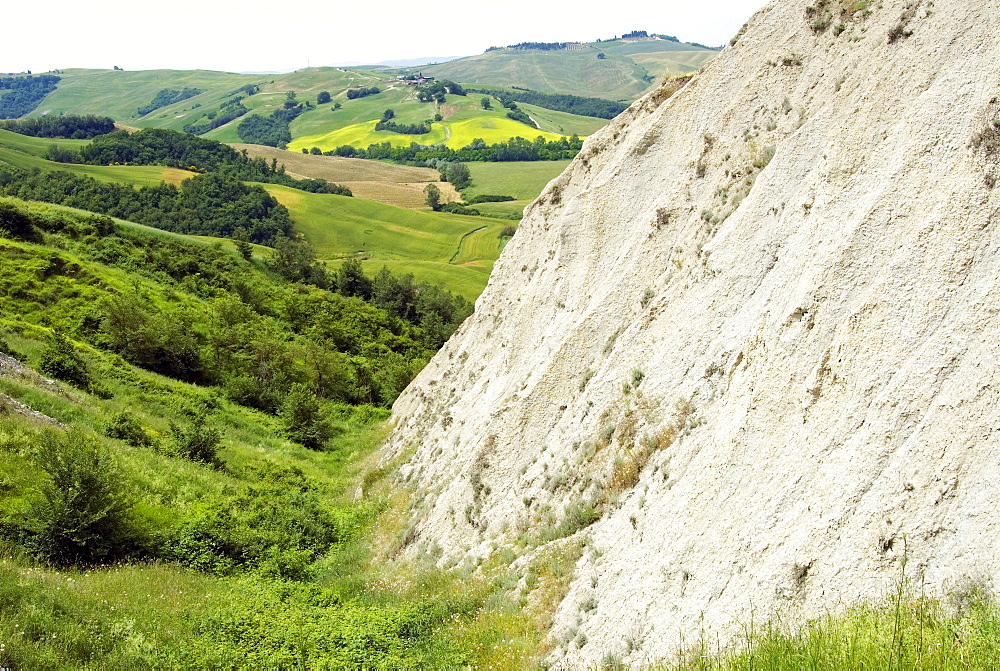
x: 303, y: 420
x: 61, y: 360
x: 85, y: 515
x: 323, y: 98
x: 388, y: 114
x: 485, y: 102
x: 242, y: 241
x: 198, y: 442
x: 433, y: 197
x: 457, y: 173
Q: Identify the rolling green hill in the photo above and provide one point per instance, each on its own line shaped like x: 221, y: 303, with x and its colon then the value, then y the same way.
x: 628, y: 69
x: 450, y: 249
x: 121, y: 94
x: 434, y: 246
x: 28, y: 153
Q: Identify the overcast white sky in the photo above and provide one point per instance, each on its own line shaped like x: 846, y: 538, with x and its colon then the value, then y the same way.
x: 253, y: 35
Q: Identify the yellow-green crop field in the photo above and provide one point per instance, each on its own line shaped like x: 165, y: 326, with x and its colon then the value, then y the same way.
x: 454, y: 134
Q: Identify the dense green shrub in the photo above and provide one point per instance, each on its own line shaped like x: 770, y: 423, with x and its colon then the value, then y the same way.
x: 124, y: 426
x: 84, y: 516
x: 303, y: 420
x: 61, y: 360
x: 198, y: 442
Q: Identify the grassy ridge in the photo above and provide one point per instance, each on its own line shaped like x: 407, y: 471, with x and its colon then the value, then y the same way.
x: 26, y: 153
x: 119, y: 94
x: 627, y: 70
x: 431, y: 245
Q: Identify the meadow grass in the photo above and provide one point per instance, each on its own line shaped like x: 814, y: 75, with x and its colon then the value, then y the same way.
x: 902, y: 631
x: 338, y: 226
x: 523, y: 180
x: 137, y: 175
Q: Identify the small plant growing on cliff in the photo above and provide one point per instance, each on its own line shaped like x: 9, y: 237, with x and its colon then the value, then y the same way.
x: 647, y: 296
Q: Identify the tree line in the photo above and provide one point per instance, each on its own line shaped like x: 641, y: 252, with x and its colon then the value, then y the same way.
x: 209, y: 204
x: 230, y: 110
x: 583, y: 106
x: 515, y: 149
x: 166, y: 97
x: 362, y: 91
x: 24, y: 93
x: 71, y: 126
x: 272, y: 130
x: 156, y: 146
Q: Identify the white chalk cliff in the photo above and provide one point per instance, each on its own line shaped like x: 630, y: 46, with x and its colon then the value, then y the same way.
x: 755, y: 326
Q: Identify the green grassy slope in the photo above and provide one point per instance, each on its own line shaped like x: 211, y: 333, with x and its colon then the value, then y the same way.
x: 119, y: 94
x: 428, y: 244
x: 267, y: 544
x: 24, y: 152
x: 626, y: 72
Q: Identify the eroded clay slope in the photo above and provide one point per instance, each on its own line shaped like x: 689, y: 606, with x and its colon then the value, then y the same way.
x: 755, y: 327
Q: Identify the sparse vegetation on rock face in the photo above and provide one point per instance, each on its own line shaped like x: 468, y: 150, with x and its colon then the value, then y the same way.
x: 720, y: 243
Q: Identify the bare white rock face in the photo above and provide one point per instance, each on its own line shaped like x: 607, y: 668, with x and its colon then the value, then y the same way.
x: 756, y: 326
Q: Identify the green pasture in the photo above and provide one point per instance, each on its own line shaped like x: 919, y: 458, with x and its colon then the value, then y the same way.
x: 453, y: 250
x: 452, y: 134
x: 338, y: 226
x: 563, y: 123
x: 467, y: 281
x: 36, y: 146
x: 523, y: 180
x: 137, y: 175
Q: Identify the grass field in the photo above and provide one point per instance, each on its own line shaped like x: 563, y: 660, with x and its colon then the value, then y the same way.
x: 522, y: 180
x: 455, y: 134
x: 450, y: 249
x: 627, y: 70
x: 339, y: 169
x: 562, y: 122
x: 36, y: 146
x: 145, y: 175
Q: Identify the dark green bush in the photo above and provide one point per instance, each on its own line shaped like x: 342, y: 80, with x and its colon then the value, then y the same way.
x: 302, y: 419
x: 198, y: 442
x: 124, y: 426
x: 84, y: 516
x: 61, y: 360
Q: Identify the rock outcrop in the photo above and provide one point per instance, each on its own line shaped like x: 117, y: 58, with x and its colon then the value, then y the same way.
x: 753, y: 330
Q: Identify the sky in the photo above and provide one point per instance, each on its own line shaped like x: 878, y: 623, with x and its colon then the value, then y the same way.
x: 257, y: 36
